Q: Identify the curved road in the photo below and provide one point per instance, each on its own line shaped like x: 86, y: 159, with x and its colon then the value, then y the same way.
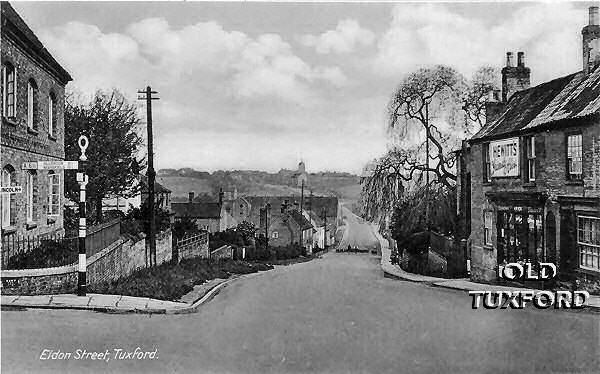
x: 337, y: 314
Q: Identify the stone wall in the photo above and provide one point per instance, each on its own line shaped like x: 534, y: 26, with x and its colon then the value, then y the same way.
x: 224, y: 252
x: 196, y: 246
x: 118, y: 260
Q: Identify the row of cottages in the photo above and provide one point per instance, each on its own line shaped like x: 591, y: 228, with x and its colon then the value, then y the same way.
x: 529, y: 186
x: 33, y: 100
x: 285, y: 220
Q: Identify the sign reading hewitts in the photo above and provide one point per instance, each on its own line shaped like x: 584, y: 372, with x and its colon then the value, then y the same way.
x: 504, y: 158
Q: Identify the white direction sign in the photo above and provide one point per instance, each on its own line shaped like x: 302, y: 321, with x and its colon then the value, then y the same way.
x: 46, y: 165
x: 11, y: 189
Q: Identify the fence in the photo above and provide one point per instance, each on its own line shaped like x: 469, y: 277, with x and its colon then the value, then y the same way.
x: 191, y: 246
x: 60, y: 250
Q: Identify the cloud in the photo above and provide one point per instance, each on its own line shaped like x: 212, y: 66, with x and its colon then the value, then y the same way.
x: 548, y: 33
x: 345, y: 38
x: 229, y: 62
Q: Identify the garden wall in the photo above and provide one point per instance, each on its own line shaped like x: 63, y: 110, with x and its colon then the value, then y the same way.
x: 118, y: 260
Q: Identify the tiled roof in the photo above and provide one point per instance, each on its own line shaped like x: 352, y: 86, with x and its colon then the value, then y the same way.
x: 196, y: 210
x: 570, y: 97
x: 300, y: 220
x: 158, y: 188
x: 13, y: 25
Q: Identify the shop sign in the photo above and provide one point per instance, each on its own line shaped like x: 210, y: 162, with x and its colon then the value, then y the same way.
x: 504, y: 158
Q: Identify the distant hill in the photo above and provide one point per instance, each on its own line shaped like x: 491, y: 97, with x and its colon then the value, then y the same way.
x: 254, y: 182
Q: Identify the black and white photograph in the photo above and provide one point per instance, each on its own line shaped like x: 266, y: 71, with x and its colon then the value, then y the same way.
x: 336, y: 187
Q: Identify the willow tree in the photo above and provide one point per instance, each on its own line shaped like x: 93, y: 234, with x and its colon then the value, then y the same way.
x: 429, y: 114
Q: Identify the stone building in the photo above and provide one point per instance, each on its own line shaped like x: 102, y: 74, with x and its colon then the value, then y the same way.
x: 300, y: 177
x: 206, y: 215
x: 529, y: 185
x: 33, y: 99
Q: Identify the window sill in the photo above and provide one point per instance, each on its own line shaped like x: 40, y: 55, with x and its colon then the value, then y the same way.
x: 31, y: 225
x: 595, y: 273
x: 574, y: 182
x: 52, y: 137
x: 32, y: 131
x: 529, y: 184
x: 486, y: 183
x: 12, y: 121
x: 9, y: 230
x: 489, y: 247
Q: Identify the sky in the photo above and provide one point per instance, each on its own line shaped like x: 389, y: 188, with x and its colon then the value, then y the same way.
x: 264, y: 85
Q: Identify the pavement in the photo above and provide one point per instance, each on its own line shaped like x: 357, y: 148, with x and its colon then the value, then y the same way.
x: 462, y: 284
x: 119, y: 303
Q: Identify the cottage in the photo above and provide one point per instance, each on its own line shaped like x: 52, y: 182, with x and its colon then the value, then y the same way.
x: 206, y: 215
x: 529, y: 186
x: 33, y: 101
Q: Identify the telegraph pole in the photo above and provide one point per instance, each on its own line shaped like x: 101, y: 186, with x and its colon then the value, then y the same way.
x: 151, y: 174
x: 324, y: 214
x: 302, y: 197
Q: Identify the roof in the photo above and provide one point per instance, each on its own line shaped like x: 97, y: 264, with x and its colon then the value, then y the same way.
x: 569, y: 97
x: 158, y: 188
x: 17, y: 30
x: 197, y: 210
x: 300, y: 220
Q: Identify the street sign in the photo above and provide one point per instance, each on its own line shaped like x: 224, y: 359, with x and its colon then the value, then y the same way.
x: 11, y: 189
x: 47, y: 165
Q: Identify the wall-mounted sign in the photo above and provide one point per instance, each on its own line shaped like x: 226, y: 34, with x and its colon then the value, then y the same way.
x: 11, y: 189
x: 47, y: 165
x: 504, y: 158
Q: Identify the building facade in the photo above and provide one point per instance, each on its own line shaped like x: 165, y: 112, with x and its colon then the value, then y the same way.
x: 33, y: 101
x: 529, y: 185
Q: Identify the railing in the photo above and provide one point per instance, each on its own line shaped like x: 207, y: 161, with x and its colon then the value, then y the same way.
x: 55, y: 249
x: 191, y: 246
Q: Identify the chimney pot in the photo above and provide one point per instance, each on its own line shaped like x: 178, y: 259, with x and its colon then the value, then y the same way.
x: 594, y: 17
x: 510, y: 59
x: 521, y: 59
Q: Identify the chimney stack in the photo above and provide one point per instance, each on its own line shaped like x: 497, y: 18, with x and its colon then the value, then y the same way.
x: 521, y: 59
x: 514, y: 78
x: 191, y: 196
x: 221, y: 194
x: 594, y: 20
x: 591, y: 41
x: 510, y: 59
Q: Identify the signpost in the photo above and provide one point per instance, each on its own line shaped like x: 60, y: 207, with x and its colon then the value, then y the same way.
x: 82, y: 179
x: 48, y: 165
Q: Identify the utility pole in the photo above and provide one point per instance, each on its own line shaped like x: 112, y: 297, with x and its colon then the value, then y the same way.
x: 151, y: 174
x: 267, y: 209
x: 302, y: 197
x: 427, y: 132
x: 324, y: 215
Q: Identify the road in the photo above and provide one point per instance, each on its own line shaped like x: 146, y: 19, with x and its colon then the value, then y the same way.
x: 337, y: 314
x: 358, y: 232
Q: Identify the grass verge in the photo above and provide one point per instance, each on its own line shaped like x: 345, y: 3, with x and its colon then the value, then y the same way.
x: 170, y: 281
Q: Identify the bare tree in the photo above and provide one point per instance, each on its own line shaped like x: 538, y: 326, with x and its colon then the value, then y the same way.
x: 430, y: 112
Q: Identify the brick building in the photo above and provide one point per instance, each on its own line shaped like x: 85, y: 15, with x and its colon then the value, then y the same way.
x: 529, y: 186
x: 33, y: 100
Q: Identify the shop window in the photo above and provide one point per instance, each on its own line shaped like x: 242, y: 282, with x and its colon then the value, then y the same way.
x: 32, y: 105
x: 588, y: 242
x: 9, y: 84
x: 530, y: 149
x: 487, y: 228
x: 8, y: 200
x: 487, y: 166
x: 574, y: 157
x: 53, y: 193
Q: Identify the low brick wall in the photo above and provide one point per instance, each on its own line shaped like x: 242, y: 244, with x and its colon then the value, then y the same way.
x: 118, y: 260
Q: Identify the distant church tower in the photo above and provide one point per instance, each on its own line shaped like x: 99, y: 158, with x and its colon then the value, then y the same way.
x: 301, y: 175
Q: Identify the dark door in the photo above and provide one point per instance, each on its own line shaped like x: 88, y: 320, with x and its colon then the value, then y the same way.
x: 551, y: 238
